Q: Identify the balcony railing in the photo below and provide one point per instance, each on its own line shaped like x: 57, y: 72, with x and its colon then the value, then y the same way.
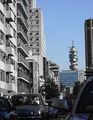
x: 20, y: 2
x: 11, y: 86
x: 9, y: 31
x: 23, y: 48
x: 23, y: 61
x: 24, y: 76
x: 10, y: 51
x: 21, y: 29
x: 19, y: 14
x: 9, y: 68
x: 10, y: 16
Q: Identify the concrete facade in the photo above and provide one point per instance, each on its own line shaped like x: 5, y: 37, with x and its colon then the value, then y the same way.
x: 8, y: 47
x: 36, y: 37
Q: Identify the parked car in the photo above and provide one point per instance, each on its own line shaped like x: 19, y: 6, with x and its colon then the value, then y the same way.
x: 7, y: 110
x: 30, y: 106
x: 83, y: 106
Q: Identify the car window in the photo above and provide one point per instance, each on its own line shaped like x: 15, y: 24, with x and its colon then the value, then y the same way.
x: 26, y: 100
x: 86, y: 100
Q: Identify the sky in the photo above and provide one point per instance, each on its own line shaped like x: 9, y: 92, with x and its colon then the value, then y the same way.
x: 64, y: 23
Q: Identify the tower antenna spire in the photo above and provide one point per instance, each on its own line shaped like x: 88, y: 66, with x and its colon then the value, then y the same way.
x: 73, y: 58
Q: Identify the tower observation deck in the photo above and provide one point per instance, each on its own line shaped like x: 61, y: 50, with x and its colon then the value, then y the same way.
x: 73, y: 58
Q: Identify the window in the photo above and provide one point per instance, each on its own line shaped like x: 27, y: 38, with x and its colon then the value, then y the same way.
x: 7, y: 77
x: 36, y: 16
x: 2, y: 75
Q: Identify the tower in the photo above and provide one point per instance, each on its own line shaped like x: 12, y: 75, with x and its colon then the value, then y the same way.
x: 73, y: 58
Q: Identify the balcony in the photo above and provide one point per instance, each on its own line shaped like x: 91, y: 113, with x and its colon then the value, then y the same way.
x: 10, y: 16
x: 10, y: 51
x: 22, y: 20
x: 23, y: 8
x: 9, y: 68
x: 2, y: 85
x: 22, y: 62
x: 22, y: 34
x: 22, y: 48
x: 9, y: 31
x: 23, y: 76
x: 11, y: 86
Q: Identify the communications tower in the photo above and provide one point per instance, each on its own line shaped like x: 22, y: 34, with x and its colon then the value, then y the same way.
x: 73, y: 58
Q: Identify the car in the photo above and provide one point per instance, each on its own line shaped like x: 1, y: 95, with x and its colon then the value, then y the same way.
x: 7, y: 110
x: 30, y: 106
x: 52, y: 112
x: 56, y: 107
x: 83, y: 105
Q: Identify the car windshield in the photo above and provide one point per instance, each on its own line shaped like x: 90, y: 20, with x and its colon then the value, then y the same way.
x: 25, y: 100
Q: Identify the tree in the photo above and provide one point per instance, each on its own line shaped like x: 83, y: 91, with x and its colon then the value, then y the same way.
x: 51, y: 89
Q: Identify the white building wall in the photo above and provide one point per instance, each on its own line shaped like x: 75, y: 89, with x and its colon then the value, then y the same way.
x: 36, y: 25
x: 5, y: 67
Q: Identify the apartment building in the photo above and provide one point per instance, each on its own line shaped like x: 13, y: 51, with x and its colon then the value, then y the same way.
x: 8, y: 47
x: 54, y: 72
x: 24, y: 81
x: 36, y: 36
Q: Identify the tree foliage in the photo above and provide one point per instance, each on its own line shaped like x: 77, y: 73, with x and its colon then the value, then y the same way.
x: 51, y: 89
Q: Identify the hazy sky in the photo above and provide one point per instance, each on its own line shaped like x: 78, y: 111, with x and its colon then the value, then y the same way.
x: 64, y: 23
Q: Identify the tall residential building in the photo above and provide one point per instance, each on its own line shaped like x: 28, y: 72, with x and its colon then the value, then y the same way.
x: 73, y: 57
x: 24, y: 80
x: 89, y: 46
x: 36, y: 35
x: 8, y: 47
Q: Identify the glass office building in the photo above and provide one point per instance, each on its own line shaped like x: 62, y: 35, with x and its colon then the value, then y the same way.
x: 68, y: 77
